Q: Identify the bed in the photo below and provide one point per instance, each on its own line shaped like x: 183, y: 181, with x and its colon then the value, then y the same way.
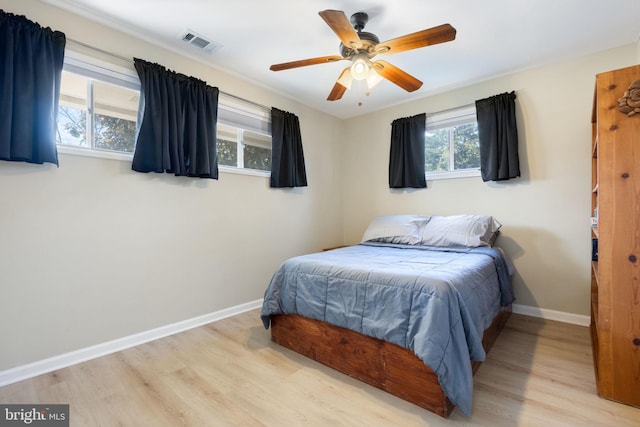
x: 412, y: 309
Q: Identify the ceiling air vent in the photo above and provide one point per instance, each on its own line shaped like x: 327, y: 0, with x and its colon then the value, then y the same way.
x: 198, y: 41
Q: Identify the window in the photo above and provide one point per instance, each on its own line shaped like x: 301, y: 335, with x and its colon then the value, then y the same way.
x: 244, y: 136
x: 240, y: 148
x: 452, y: 147
x: 98, y: 108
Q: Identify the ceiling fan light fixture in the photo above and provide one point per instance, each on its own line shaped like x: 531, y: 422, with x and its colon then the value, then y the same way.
x: 360, y: 67
x: 345, y: 78
x: 373, y: 78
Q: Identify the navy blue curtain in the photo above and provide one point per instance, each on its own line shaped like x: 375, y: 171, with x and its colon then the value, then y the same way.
x: 406, y: 157
x: 177, y: 129
x: 287, y: 157
x: 31, y: 59
x: 498, y: 136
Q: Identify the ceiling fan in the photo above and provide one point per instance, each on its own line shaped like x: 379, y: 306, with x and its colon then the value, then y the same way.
x: 360, y: 47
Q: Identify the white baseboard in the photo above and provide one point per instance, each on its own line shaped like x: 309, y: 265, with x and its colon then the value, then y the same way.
x: 560, y: 316
x: 50, y: 364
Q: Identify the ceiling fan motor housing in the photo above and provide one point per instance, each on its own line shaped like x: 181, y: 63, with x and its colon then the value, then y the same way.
x: 369, y: 42
x: 359, y: 20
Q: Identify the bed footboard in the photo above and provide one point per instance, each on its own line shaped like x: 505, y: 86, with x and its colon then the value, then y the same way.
x: 381, y: 364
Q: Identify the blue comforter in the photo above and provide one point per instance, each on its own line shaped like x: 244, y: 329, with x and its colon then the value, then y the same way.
x: 435, y: 301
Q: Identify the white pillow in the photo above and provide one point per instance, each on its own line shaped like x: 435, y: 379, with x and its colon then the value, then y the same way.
x: 460, y: 230
x: 403, y: 229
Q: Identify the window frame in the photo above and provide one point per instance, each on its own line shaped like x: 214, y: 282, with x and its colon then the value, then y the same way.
x: 98, y: 70
x: 244, y: 116
x: 448, y: 119
x: 230, y: 108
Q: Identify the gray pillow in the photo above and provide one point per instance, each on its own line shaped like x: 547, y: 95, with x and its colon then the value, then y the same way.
x: 403, y: 229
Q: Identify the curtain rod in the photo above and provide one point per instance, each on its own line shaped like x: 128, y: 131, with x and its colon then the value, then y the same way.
x: 130, y: 61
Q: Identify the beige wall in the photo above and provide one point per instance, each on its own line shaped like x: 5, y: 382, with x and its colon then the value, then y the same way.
x: 91, y: 251
x: 545, y: 213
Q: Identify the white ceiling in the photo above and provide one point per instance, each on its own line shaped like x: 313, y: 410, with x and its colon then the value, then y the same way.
x: 494, y: 37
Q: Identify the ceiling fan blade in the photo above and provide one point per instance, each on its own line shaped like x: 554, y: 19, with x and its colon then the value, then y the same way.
x: 341, y: 86
x: 397, y: 76
x: 337, y: 92
x: 339, y: 23
x: 440, y: 34
x: 305, y: 62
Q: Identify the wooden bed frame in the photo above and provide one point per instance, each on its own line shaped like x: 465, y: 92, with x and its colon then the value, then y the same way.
x: 381, y: 364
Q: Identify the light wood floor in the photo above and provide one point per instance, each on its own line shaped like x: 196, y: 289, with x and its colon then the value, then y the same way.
x: 228, y: 373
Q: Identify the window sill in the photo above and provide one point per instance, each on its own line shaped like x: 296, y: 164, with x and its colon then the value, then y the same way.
x: 125, y: 157
x: 88, y: 152
x: 469, y: 173
x: 240, y: 171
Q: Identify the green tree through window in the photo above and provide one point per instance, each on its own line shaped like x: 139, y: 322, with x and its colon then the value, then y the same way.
x: 437, y: 151
x: 466, y: 146
x: 243, y: 149
x: 257, y: 158
x: 112, y: 110
x: 113, y: 133
x: 451, y: 143
x: 110, y: 133
x: 227, y: 152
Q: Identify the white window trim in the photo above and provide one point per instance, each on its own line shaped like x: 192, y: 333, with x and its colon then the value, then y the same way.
x: 100, y: 70
x: 465, y: 173
x: 450, y: 118
x: 258, y: 122
x: 243, y: 171
x: 97, y: 69
x: 95, y: 152
x: 125, y: 157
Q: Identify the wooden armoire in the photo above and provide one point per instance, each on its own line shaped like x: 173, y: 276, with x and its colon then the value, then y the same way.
x: 615, y: 275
